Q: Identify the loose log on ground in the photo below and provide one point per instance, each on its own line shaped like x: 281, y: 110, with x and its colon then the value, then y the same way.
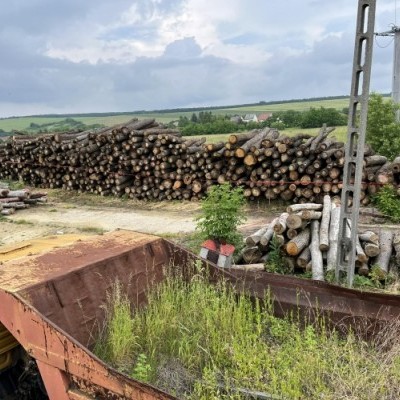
x: 324, y: 228
x: 316, y: 255
x: 383, y: 259
x: 251, y: 255
x: 333, y: 238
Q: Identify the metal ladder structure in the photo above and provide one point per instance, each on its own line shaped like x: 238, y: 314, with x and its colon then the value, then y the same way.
x: 356, y: 132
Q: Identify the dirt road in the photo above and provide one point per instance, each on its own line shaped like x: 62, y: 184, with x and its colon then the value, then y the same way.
x: 58, y: 217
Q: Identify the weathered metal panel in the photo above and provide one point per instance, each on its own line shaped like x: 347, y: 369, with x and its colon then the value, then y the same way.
x: 50, y: 303
x: 51, y: 346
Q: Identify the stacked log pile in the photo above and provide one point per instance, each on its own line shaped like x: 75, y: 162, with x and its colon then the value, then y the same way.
x: 308, y: 238
x: 145, y: 160
x: 13, y: 200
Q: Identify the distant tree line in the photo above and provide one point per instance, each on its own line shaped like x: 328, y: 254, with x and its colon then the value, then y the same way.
x: 207, y: 123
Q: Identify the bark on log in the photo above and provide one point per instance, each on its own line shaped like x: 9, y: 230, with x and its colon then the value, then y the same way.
x: 324, y: 228
x: 304, y: 258
x: 371, y: 249
x: 280, y: 225
x: 306, y: 206
x: 369, y: 236
x: 254, y: 239
x: 333, y: 238
x: 361, y: 256
x: 254, y: 141
x: 311, y: 214
x: 386, y: 243
x: 294, y: 221
x: 316, y: 255
x: 295, y: 246
x: 266, y: 238
x: 396, y: 246
x: 251, y: 255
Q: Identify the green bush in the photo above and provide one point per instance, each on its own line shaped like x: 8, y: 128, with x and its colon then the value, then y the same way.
x: 387, y: 202
x: 316, y: 117
x: 383, y: 132
x: 221, y: 213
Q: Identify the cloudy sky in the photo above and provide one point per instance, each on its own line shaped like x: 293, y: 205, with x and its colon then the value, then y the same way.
x: 69, y: 56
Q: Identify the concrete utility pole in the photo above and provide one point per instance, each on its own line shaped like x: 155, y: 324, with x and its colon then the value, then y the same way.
x: 356, y: 130
x: 395, y: 32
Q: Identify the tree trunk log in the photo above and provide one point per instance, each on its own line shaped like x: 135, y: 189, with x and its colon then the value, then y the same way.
x: 280, y: 225
x: 333, y: 238
x: 266, y: 238
x: 254, y: 239
x: 386, y: 243
x: 306, y: 206
x: 324, y: 229
x: 295, y: 246
x: 316, y: 255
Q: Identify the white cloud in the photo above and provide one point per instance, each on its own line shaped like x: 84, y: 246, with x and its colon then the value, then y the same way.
x: 122, y: 55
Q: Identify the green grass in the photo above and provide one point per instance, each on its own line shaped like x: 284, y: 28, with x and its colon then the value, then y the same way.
x: 199, y: 341
x: 339, y: 133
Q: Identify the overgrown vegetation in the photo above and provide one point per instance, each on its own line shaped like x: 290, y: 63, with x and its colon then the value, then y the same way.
x: 275, y: 263
x: 387, y: 202
x: 383, y: 131
x: 221, y: 213
x: 199, y: 341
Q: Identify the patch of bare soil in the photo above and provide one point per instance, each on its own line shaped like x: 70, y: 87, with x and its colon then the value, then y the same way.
x: 94, y: 214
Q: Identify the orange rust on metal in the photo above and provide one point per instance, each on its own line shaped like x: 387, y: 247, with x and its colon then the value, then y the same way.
x: 51, y: 346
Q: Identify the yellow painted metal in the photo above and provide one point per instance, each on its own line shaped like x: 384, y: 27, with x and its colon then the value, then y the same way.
x: 35, y: 246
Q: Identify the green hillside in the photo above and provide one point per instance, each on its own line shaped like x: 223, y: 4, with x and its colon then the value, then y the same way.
x: 109, y: 119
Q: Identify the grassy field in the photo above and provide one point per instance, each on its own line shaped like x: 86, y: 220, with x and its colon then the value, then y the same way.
x: 339, y: 133
x: 22, y: 123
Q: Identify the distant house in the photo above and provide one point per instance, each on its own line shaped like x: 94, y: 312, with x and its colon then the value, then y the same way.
x: 264, y: 116
x: 250, y: 118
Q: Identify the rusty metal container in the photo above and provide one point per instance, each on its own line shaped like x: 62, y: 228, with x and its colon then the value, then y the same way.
x: 51, y: 302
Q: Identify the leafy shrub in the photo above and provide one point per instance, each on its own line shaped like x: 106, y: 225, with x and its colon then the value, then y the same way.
x: 388, y: 202
x: 275, y: 263
x: 383, y: 132
x: 316, y: 117
x: 222, y: 212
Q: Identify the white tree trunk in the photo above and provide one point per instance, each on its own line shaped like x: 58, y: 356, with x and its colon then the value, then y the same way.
x: 316, y: 255
x: 324, y: 229
x: 333, y: 238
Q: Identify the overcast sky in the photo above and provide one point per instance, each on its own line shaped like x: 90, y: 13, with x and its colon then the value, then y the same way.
x: 69, y: 56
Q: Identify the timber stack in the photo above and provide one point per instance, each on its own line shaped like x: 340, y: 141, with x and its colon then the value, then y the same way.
x: 13, y: 200
x: 146, y: 160
x: 306, y: 239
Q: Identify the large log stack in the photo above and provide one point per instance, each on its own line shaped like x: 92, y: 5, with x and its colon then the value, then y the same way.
x: 308, y: 238
x: 145, y: 160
